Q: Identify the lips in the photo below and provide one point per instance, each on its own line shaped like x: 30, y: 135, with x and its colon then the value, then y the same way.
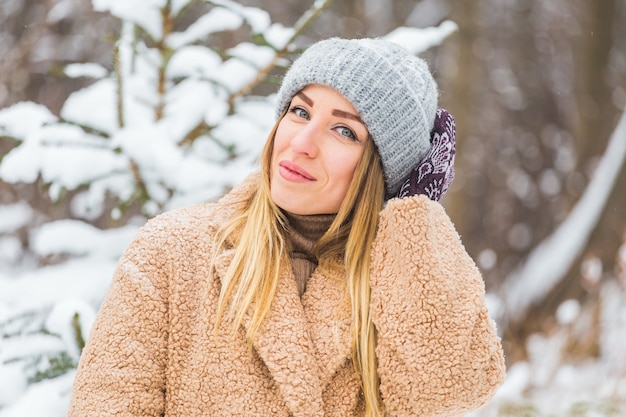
x: 293, y: 172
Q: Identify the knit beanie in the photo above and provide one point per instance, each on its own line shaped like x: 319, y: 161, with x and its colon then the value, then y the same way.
x: 393, y: 91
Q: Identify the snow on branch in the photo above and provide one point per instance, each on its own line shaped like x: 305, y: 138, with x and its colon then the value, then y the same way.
x: 419, y: 40
x: 548, y: 263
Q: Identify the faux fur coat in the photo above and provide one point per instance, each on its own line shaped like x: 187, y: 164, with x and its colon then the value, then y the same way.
x: 153, y: 350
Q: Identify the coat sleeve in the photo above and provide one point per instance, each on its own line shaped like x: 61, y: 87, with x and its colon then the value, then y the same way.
x: 121, y: 370
x: 438, y: 351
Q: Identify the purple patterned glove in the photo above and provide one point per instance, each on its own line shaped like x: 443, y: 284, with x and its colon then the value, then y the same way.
x: 435, y: 172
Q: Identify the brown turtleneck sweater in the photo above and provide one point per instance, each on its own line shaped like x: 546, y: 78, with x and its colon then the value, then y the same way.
x: 303, y: 232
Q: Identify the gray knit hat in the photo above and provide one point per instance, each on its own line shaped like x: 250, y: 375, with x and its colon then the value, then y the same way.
x: 393, y: 91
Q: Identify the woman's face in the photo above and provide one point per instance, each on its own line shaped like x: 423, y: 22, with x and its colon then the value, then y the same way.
x: 316, y: 149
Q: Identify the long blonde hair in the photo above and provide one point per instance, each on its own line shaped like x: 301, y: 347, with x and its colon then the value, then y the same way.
x: 252, y: 277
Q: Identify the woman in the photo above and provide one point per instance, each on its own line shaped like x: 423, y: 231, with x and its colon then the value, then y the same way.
x: 307, y: 290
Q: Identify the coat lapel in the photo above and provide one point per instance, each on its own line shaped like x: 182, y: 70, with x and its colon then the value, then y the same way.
x: 327, y: 309
x: 284, y: 344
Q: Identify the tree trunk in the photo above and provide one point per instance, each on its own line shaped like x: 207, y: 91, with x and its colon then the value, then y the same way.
x: 597, y: 116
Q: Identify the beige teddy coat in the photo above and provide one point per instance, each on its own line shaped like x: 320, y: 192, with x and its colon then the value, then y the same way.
x: 152, y: 350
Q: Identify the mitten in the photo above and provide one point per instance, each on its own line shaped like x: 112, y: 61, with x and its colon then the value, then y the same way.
x: 434, y: 173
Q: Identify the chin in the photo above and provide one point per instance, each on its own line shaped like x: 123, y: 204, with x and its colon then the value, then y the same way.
x: 294, y: 208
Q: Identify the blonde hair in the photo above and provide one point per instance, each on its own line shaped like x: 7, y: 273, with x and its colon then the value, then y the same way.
x: 252, y: 277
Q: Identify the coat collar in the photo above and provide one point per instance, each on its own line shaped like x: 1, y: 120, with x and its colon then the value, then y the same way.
x: 303, y: 342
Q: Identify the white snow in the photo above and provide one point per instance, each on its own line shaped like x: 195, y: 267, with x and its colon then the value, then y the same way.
x: 258, y: 19
x: 85, y: 70
x: 278, y: 35
x: 22, y: 119
x: 258, y: 56
x: 16, y: 347
x: 145, y: 13
x: 10, y: 251
x: 186, y: 105
x: 178, y: 5
x: 75, y: 237
x: 101, y: 96
x: 60, y: 322
x: 13, y: 383
x: 419, y: 40
x: 193, y: 61
x: 47, y: 398
x: 235, y: 74
x: 14, y: 216
x: 216, y: 112
x: 64, y: 165
x: 87, y: 278
x: 217, y: 20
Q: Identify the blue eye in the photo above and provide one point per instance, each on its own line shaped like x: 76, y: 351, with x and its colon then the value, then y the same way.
x: 344, y: 131
x: 300, y: 112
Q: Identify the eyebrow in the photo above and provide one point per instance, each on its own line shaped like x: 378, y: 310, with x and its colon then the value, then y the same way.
x: 305, y: 98
x: 335, y: 112
x: 347, y: 115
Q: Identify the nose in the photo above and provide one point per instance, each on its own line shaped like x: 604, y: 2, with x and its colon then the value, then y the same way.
x: 305, y: 141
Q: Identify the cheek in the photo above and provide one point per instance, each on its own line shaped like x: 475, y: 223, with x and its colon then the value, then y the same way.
x: 343, y: 167
x: 280, y: 141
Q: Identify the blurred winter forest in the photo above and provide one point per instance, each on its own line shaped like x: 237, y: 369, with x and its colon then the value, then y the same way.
x: 112, y: 112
